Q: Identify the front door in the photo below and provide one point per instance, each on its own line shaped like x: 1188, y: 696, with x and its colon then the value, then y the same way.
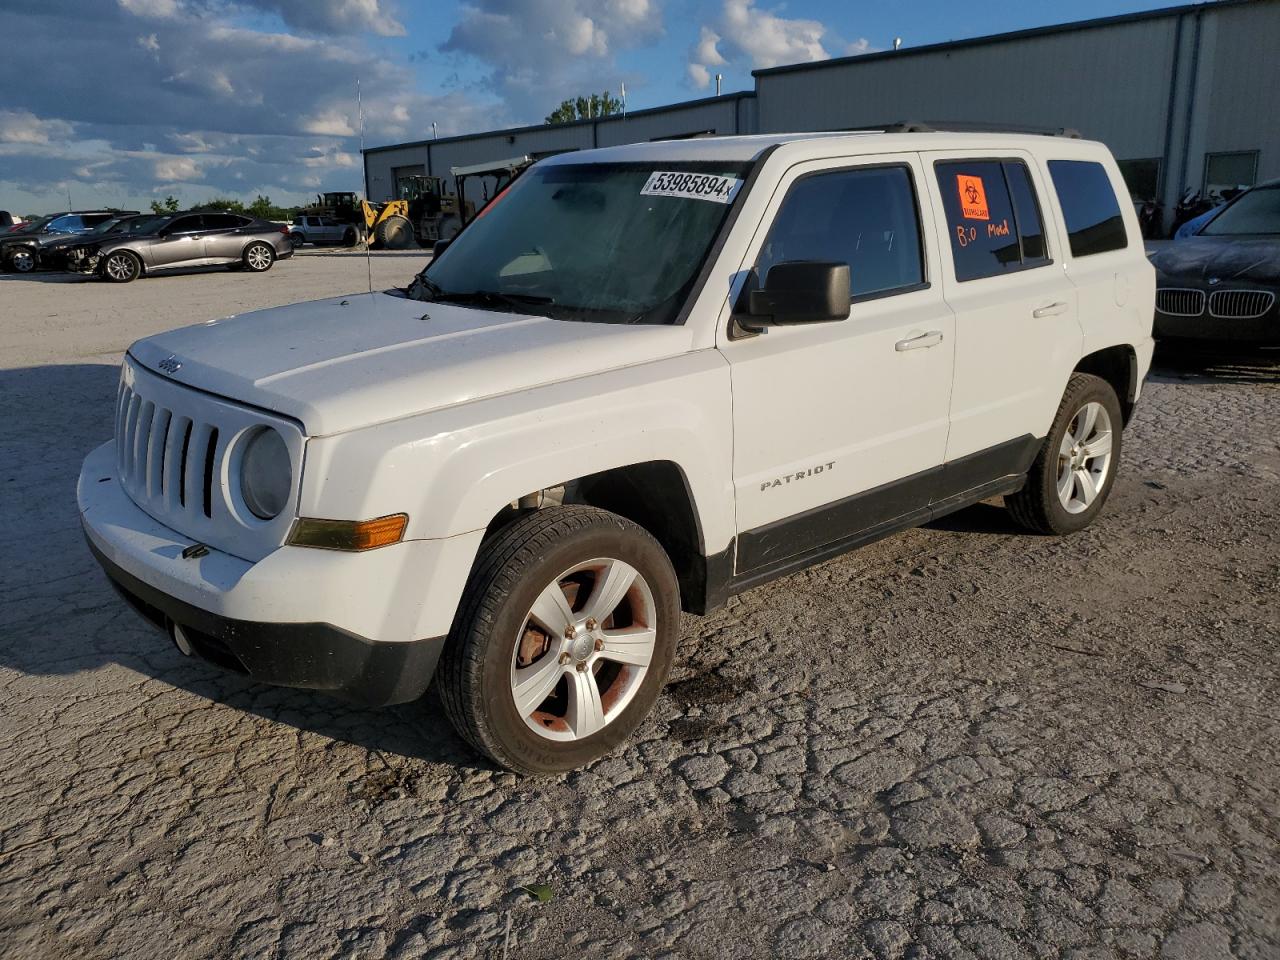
x: 840, y: 428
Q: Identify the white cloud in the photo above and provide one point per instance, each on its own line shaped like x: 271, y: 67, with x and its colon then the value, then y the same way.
x: 22, y: 126
x: 757, y: 38
x: 541, y: 51
x: 330, y: 123
x: 150, y: 42
x: 157, y: 9
x: 770, y: 40
x: 176, y: 170
x: 334, y: 17
x: 858, y: 47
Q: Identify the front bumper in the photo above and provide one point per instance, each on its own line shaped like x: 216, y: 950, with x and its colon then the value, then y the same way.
x: 366, y: 626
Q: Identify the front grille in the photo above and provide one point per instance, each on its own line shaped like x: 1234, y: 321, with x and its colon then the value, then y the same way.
x: 165, y: 458
x: 1180, y: 302
x: 177, y: 457
x: 1240, y: 304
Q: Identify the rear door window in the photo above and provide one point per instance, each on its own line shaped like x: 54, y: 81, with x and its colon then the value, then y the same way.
x: 993, y: 217
x: 1089, y: 206
x: 865, y: 217
x: 221, y: 221
x: 185, y: 225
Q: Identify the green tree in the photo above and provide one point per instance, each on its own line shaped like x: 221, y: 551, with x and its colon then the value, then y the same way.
x: 585, y: 108
x: 168, y: 205
x: 263, y: 208
x: 221, y: 203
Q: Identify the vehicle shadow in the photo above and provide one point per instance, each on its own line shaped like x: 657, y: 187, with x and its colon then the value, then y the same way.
x: 988, y: 517
x: 60, y: 618
x: 50, y: 276
x: 1214, y: 364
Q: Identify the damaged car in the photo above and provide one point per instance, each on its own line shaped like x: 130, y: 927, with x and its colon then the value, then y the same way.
x: 180, y: 241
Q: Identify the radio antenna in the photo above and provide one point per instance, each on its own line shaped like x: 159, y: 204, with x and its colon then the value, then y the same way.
x: 368, y: 251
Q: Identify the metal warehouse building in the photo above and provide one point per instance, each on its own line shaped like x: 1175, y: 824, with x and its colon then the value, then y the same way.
x: 1187, y: 98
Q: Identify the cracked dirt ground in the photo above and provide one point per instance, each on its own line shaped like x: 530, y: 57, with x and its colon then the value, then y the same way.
x: 962, y: 742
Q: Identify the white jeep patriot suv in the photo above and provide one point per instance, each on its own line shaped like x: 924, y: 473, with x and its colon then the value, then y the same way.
x: 643, y: 379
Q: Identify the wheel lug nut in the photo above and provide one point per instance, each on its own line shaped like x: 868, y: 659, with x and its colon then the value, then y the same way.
x: 569, y: 631
x: 582, y: 666
x: 565, y: 658
x: 599, y: 644
x: 591, y: 623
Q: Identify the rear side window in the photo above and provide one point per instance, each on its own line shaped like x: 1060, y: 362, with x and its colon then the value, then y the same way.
x: 1089, y: 205
x: 993, y: 217
x: 222, y: 221
x: 864, y: 217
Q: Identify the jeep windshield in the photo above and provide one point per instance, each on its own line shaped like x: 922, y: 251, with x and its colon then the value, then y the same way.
x: 609, y: 243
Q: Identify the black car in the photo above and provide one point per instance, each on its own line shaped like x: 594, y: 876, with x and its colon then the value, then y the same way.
x: 63, y: 251
x: 1222, y: 284
x: 20, y: 249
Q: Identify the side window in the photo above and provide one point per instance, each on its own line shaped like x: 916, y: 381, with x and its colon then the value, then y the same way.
x: 185, y: 225
x: 993, y: 218
x: 314, y: 222
x: 220, y: 221
x: 71, y: 223
x: 864, y: 217
x: 1094, y: 223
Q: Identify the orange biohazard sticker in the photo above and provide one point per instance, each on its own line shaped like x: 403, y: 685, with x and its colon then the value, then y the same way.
x: 973, y: 199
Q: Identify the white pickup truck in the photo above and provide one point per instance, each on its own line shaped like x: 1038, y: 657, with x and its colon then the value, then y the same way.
x: 645, y: 378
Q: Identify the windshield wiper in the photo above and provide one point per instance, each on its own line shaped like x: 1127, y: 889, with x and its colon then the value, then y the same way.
x: 492, y: 298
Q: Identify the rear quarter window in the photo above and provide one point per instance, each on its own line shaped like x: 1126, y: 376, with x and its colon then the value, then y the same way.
x: 1089, y: 206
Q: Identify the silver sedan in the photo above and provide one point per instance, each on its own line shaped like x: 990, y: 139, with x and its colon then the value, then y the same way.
x: 187, y: 240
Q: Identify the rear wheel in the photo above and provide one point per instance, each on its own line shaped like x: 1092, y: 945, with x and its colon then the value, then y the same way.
x: 349, y: 239
x: 258, y: 257
x: 297, y: 239
x: 121, y: 267
x: 1072, y: 476
x: 564, y: 638
x: 394, y: 233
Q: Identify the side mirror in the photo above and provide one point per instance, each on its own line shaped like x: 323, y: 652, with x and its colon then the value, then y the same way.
x: 440, y: 247
x: 800, y: 291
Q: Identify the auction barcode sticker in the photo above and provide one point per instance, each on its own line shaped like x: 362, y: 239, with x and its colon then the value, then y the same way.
x: 693, y: 186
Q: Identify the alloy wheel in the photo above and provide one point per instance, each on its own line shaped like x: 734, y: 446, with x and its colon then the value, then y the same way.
x: 258, y: 257
x: 584, y: 649
x: 24, y: 261
x: 120, y: 267
x: 1084, y: 457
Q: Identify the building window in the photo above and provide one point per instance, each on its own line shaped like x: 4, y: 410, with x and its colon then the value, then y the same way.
x: 1229, y: 172
x: 1142, y: 177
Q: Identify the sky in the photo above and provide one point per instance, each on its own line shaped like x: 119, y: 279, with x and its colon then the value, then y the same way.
x: 122, y: 102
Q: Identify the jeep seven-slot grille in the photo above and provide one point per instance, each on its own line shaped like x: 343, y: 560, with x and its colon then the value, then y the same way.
x: 165, y: 458
x: 1178, y: 302
x: 1240, y: 304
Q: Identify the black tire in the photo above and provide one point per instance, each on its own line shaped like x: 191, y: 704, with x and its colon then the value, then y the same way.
x: 258, y: 257
x: 121, y: 266
x: 297, y: 239
x: 23, y: 260
x: 394, y: 233
x: 513, y: 568
x: 1038, y: 505
x: 350, y: 239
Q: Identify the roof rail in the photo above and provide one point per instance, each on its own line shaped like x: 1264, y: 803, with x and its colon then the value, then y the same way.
x: 962, y: 126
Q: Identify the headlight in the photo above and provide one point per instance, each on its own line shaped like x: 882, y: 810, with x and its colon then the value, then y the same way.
x: 266, y: 475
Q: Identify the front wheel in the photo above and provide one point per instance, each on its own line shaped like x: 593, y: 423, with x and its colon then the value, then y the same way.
x: 258, y: 257
x: 563, y: 640
x: 23, y: 260
x: 121, y: 267
x: 1075, y: 470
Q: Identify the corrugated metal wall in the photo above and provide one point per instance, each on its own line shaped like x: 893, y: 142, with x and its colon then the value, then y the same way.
x: 1175, y: 87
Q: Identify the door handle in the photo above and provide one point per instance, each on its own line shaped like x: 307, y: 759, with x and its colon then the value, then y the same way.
x: 930, y: 339
x: 1052, y: 310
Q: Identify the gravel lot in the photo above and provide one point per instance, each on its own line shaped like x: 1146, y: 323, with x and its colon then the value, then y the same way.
x: 961, y: 742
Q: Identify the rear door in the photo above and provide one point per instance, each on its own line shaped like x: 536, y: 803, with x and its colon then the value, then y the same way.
x: 181, y: 242
x: 1017, y: 335
x: 224, y: 236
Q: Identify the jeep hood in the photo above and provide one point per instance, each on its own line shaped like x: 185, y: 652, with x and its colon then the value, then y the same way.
x: 348, y: 362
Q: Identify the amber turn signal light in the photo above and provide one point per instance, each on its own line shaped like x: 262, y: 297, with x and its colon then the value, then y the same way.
x: 355, y: 535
